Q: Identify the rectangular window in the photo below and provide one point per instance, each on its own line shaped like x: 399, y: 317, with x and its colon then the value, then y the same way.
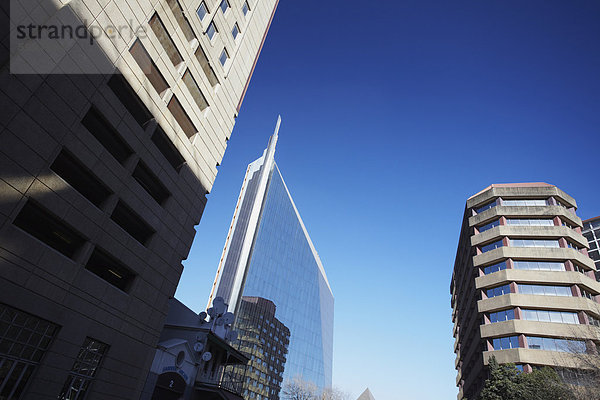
x: 211, y: 31
x: 107, y: 135
x: 49, y: 229
x: 491, y: 246
x: 545, y: 290
x: 498, y: 291
x: 24, y: 339
x: 504, y: 315
x: 505, y: 343
x: 539, y: 265
x: 562, y: 317
x: 183, y: 22
x: 208, y: 71
x: 109, y: 269
x: 132, y: 223
x: 551, y: 344
x: 525, y: 203
x: 150, y: 183
x: 167, y: 148
x: 224, y: 57
x: 195, y: 91
x: 235, y: 31
x: 485, y: 207
x: 130, y: 99
x: 530, y: 222
x: 181, y: 117
x: 202, y: 11
x: 165, y: 40
x: 534, y: 243
x: 142, y: 58
x: 224, y: 6
x: 245, y: 8
x: 84, y: 370
x: 490, y: 269
x: 80, y: 178
x: 491, y: 225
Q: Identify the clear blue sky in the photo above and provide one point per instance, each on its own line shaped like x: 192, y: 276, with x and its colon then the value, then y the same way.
x: 393, y: 114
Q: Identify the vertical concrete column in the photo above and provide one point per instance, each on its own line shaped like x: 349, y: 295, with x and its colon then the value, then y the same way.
x: 557, y: 221
x: 563, y: 243
x: 522, y: 341
x: 527, y: 368
x: 502, y: 221
x: 591, y: 274
x: 576, y: 291
x: 490, y: 347
x: 513, y: 288
x: 509, y: 263
x: 518, y: 313
x: 569, y: 265
x: 552, y: 201
x: 505, y: 241
x: 584, y: 251
x: 583, y: 318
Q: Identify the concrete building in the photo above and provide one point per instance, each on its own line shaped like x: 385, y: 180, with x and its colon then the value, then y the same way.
x: 104, y: 175
x: 591, y: 231
x: 366, y: 395
x: 523, y: 287
x: 268, y: 254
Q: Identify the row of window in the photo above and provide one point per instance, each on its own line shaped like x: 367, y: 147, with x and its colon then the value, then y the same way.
x: 24, y: 339
x: 532, y: 266
x: 544, y: 243
x: 512, y: 203
x: 540, y: 343
x: 517, y: 222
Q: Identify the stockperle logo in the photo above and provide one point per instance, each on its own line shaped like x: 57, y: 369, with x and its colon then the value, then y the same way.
x: 49, y: 37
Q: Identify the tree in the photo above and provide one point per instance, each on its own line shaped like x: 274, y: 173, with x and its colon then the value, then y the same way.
x: 299, y: 389
x: 508, y: 383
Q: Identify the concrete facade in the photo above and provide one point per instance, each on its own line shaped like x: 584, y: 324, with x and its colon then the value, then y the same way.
x: 103, y: 178
x: 523, y: 287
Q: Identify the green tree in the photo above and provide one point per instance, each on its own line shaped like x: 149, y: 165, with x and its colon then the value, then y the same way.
x: 508, y: 383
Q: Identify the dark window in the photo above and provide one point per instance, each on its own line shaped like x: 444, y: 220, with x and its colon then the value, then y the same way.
x: 130, y: 99
x: 205, y: 64
x: 165, y: 39
x: 110, y: 270
x: 142, y: 58
x: 168, y: 149
x: 48, y: 228
x: 84, y: 370
x: 77, y: 175
x: 107, y: 135
x: 24, y: 339
x: 181, y: 117
x: 195, y: 91
x: 150, y: 183
x: 132, y: 223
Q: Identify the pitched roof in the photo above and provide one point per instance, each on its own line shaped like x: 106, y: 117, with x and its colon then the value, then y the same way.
x: 366, y: 395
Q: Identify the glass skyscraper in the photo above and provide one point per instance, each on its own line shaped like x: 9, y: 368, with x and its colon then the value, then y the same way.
x: 268, y: 254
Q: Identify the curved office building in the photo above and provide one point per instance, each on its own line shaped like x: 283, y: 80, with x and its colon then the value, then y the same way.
x: 523, y: 288
x: 269, y: 255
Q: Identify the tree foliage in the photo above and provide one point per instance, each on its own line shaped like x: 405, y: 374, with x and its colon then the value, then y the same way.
x: 508, y: 383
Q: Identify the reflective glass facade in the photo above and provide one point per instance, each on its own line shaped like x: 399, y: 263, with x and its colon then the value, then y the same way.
x: 269, y: 255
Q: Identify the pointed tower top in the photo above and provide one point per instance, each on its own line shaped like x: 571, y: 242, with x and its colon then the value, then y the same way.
x: 366, y: 395
x: 273, y: 140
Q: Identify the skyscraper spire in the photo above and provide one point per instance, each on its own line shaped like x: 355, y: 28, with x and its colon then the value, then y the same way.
x: 273, y: 141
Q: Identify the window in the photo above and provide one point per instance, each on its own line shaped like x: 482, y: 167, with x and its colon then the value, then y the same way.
x: 132, y: 223
x: 245, y: 8
x: 539, y: 265
x: 208, y: 71
x: 130, y: 99
x: 524, y: 203
x: 505, y: 315
x: 181, y: 117
x: 594, y: 321
x: 551, y: 344
x: 498, y: 291
x: 24, y: 339
x: 202, y: 11
x: 486, y: 206
x: 142, y: 58
x: 167, y: 148
x: 109, y: 269
x: 165, y: 40
x: 534, y: 243
x: 150, y: 183
x: 183, y: 22
x: 224, y: 6
x: 562, y: 317
x: 106, y: 134
x: 84, y: 370
x: 195, y: 91
x: 212, y: 29
x: 505, y: 343
x: 80, y: 178
x: 49, y: 229
x: 224, y: 57
x: 491, y: 246
x: 587, y: 295
x: 530, y: 222
x: 491, y: 225
x: 490, y: 269
x: 572, y: 245
x: 235, y: 31
x: 545, y: 290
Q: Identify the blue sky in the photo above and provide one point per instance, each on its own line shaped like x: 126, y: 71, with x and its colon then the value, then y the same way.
x: 392, y: 117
